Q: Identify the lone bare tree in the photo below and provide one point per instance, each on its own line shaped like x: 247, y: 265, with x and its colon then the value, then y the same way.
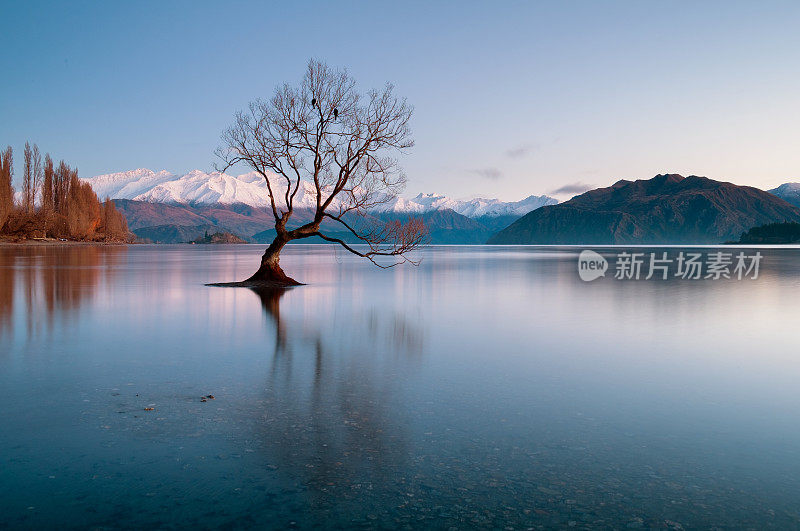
x: 342, y: 143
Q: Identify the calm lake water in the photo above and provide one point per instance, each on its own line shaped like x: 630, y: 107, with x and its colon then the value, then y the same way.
x: 488, y: 387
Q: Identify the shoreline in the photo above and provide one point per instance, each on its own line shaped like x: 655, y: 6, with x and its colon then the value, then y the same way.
x: 50, y: 242
x: 69, y: 243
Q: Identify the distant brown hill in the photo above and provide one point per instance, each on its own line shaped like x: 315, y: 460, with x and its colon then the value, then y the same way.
x: 239, y: 218
x: 176, y: 223
x: 667, y: 209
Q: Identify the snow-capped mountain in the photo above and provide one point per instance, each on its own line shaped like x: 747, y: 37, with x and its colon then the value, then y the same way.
x: 472, y: 208
x: 200, y: 188
x: 128, y: 184
x: 789, y: 192
x: 194, y: 188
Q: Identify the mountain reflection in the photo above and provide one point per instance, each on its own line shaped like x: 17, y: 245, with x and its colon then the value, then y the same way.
x: 47, y: 283
x: 330, y: 418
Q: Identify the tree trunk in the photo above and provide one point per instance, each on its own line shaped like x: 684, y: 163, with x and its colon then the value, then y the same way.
x: 270, y: 272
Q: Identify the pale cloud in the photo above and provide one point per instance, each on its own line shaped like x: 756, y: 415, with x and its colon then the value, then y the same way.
x: 572, y: 189
x: 521, y: 151
x: 492, y: 174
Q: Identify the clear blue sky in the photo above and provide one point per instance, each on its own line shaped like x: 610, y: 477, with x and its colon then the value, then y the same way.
x: 511, y: 98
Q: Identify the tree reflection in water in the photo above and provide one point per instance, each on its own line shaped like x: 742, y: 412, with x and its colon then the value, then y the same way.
x: 331, y: 419
x: 50, y: 282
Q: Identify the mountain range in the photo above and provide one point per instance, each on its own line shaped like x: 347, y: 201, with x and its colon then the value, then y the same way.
x: 667, y: 209
x: 169, y: 208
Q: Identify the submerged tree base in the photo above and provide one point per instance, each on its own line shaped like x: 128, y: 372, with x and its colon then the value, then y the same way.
x: 258, y: 284
x: 269, y: 274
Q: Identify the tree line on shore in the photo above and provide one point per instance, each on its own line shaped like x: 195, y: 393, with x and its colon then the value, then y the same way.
x: 54, y: 203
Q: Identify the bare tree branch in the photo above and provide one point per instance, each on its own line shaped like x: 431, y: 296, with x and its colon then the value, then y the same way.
x: 324, y: 133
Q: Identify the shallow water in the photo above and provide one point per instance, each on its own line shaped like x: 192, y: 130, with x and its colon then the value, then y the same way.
x: 487, y: 387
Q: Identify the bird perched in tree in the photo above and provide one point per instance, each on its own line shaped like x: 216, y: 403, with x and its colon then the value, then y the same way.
x: 313, y: 101
x: 335, y: 113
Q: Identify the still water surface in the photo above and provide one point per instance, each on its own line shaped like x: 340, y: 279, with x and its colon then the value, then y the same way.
x: 488, y: 387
